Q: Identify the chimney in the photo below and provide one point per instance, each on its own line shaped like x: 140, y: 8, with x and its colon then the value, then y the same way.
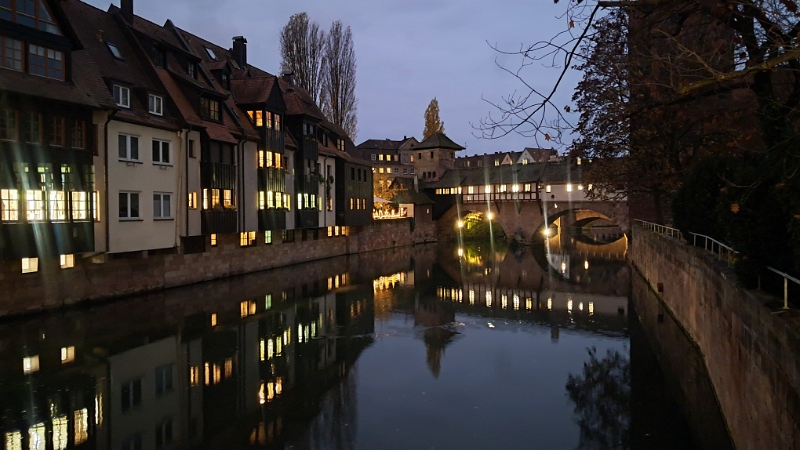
x: 127, y: 10
x: 240, y: 51
x: 288, y: 76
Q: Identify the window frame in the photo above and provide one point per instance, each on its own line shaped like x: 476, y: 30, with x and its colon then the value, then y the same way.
x: 112, y: 47
x: 161, y: 196
x: 129, y: 157
x: 155, y: 104
x: 47, y: 56
x: 129, y: 217
x: 161, y: 144
x: 4, y: 54
x: 127, y: 97
x: 134, y: 397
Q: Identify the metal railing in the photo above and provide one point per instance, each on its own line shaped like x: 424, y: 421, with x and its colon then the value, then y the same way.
x: 786, y: 278
x: 660, y: 229
x: 723, y: 252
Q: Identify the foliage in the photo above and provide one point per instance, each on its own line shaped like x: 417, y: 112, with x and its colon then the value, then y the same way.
x: 302, y: 45
x: 433, y: 124
x: 338, y: 95
x: 602, y: 397
x: 383, y: 187
x: 477, y: 227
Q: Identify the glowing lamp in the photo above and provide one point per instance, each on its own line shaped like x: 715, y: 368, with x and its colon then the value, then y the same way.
x: 460, y: 224
x: 460, y: 252
x: 546, y: 232
x: 490, y: 216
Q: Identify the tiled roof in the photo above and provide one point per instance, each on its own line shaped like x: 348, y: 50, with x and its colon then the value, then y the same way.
x: 252, y: 90
x: 438, y: 140
x: 518, y: 173
x: 298, y: 102
x: 407, y: 194
x: 380, y: 144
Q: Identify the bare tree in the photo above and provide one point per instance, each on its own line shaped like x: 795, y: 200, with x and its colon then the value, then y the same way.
x: 338, y: 96
x: 302, y: 44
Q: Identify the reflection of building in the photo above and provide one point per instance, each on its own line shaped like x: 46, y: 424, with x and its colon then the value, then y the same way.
x: 433, y: 315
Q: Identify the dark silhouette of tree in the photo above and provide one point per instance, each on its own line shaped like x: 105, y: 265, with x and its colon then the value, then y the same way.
x: 433, y: 124
x: 302, y: 45
x: 339, y: 101
x: 602, y: 395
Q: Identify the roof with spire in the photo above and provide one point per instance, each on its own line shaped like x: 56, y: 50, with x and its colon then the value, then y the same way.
x: 438, y: 140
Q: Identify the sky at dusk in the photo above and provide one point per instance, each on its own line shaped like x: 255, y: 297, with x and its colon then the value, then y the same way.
x: 407, y: 51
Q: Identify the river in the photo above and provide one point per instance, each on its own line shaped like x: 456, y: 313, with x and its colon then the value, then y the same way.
x: 450, y: 346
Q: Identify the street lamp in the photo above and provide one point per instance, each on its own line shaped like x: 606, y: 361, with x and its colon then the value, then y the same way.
x: 490, y: 216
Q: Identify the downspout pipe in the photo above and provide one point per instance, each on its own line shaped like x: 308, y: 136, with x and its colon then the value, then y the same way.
x: 107, y: 214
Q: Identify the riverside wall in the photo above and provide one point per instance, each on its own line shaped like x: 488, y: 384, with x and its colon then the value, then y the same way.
x: 750, y: 348
x: 52, y: 287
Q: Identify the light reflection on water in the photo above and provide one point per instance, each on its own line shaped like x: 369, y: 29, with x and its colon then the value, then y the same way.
x: 426, y: 347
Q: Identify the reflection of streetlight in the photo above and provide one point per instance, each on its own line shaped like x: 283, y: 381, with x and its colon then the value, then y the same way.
x: 546, y: 232
x: 563, y: 267
x: 490, y: 216
x: 460, y: 252
x: 460, y: 224
x: 586, y: 265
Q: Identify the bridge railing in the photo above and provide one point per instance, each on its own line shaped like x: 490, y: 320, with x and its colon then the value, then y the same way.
x: 722, y: 251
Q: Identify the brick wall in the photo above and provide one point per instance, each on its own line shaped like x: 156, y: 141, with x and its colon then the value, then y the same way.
x: 52, y: 287
x: 752, y: 354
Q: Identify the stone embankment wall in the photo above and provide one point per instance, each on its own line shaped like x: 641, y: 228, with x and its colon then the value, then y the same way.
x: 751, y: 353
x: 53, y: 287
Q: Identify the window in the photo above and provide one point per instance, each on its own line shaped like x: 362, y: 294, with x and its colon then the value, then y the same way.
x: 58, y: 131
x: 405, y: 171
x: 288, y: 236
x: 67, y: 261
x: 114, y: 50
x: 155, y: 104
x: 164, y: 434
x: 159, y: 58
x: 209, y: 109
x: 45, y: 62
x: 34, y: 205
x: 192, y: 151
x: 8, y: 124
x: 78, y: 134
x: 128, y: 205
x: 30, y: 13
x: 227, y: 197
x: 372, y: 157
x: 191, y: 70
x: 122, y: 95
x: 30, y: 265
x: 163, y: 379
x: 30, y: 364
x: 548, y: 188
x: 247, y: 238
x: 192, y: 200
x: 257, y: 117
x: 67, y: 354
x: 569, y: 188
x: 58, y: 205
x: 128, y: 147
x: 211, y: 53
x: 32, y: 128
x: 131, y: 394
x: 162, y: 208
x: 268, y: 120
x: 214, y: 242
x: 133, y: 442
x: 396, y: 170
x: 268, y: 237
x: 380, y: 157
x: 80, y: 205
x: 10, y: 53
x: 160, y: 152
x: 9, y: 205
x: 277, y: 122
x: 96, y: 206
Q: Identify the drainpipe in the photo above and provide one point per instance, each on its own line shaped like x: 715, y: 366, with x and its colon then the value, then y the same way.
x: 186, y: 173
x: 182, y: 136
x: 105, y: 176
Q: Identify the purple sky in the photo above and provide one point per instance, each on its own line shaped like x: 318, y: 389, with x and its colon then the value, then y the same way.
x: 408, y: 51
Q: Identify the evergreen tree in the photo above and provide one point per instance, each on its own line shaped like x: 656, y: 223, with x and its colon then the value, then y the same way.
x: 433, y: 124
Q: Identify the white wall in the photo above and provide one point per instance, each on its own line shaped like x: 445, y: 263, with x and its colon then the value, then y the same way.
x: 99, y: 118
x: 143, y: 177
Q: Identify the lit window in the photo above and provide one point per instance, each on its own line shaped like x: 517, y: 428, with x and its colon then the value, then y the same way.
x: 128, y: 205
x: 214, y: 319
x: 9, y: 205
x: 192, y: 200
x: 160, y: 152
x: 81, y: 421
x: 487, y: 189
x: 38, y: 437
x: 30, y: 265
x: 268, y: 238
x: 58, y: 205
x: 268, y: 302
x: 569, y: 188
x: 227, y: 198
x: 14, y: 440
x: 194, y: 376
x: 247, y: 308
x: 30, y: 364
x: 209, y: 109
x: 548, y: 188
x: 155, y: 104
x: 96, y: 206
x: 45, y: 62
x: 67, y: 355
x: 214, y: 243
x: 80, y: 205
x: 114, y: 50
x: 247, y: 238
x: 128, y: 147
x: 10, y: 52
x: 60, y: 436
x: 580, y: 187
x: 162, y: 206
x: 67, y: 261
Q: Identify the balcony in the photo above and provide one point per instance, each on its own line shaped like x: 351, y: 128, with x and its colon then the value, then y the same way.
x: 218, y: 176
x: 219, y: 222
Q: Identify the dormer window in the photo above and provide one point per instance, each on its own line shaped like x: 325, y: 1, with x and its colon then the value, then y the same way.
x: 114, y: 51
x: 31, y: 13
x: 324, y: 140
x: 209, y: 109
x: 10, y: 53
x: 159, y: 59
x: 191, y: 70
x: 211, y: 53
x: 340, y: 144
x: 45, y: 62
x: 155, y: 104
x: 257, y: 117
x: 225, y: 80
x: 122, y: 95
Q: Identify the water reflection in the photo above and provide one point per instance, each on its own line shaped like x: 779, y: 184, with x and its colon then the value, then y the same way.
x: 338, y: 354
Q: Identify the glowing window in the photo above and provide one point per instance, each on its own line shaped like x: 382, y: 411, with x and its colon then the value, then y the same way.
x: 81, y: 421
x: 569, y: 188
x: 548, y: 188
x: 30, y: 265
x: 67, y: 261
x: 38, y: 437
x: 30, y: 364
x: 34, y: 202
x: 60, y: 437
x: 9, y: 205
x: 213, y: 240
